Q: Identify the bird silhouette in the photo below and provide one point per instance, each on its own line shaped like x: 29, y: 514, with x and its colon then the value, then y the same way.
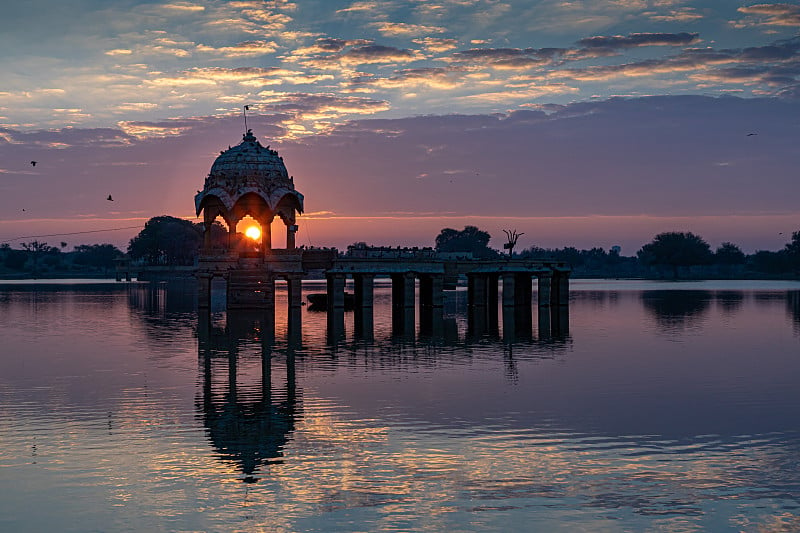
x: 109, y: 198
x: 33, y: 163
x: 751, y: 134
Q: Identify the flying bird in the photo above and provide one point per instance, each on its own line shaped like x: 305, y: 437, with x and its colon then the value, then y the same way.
x: 109, y: 198
x: 751, y: 134
x: 33, y: 163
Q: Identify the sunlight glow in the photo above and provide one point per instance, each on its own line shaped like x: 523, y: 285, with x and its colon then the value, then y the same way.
x: 253, y: 232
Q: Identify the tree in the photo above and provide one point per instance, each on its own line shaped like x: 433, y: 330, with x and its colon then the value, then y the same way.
x: 14, y: 259
x: 167, y: 240
x: 470, y: 239
x: 37, y: 249
x: 96, y: 255
x: 675, y: 249
x: 793, y: 250
x: 770, y: 262
x: 729, y: 254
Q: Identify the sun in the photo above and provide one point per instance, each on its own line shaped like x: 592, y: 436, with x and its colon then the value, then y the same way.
x: 253, y: 232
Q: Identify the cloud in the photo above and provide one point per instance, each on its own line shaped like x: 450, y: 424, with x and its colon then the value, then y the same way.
x: 772, y: 59
x: 772, y: 14
x: 326, y: 46
x: 530, y: 92
x: 368, y: 54
x: 322, y: 103
x: 640, y: 39
x: 360, y: 7
x: 182, y: 6
x: 375, y: 53
x: 433, y: 77
x: 437, y: 45
x: 683, y: 14
x: 119, y: 52
x: 402, y: 29
x: 149, y: 130
x: 243, y: 49
x: 507, y: 58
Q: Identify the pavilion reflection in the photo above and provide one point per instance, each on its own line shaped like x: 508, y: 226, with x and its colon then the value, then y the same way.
x: 247, y: 425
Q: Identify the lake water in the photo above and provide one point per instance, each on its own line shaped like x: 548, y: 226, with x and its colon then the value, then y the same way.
x: 660, y: 407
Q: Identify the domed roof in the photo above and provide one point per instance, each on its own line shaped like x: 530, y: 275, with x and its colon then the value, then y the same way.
x: 247, y: 168
x: 248, y: 161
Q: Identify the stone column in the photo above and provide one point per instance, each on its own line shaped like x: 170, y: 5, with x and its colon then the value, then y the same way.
x: 431, y: 304
x: 207, y: 235
x: 291, y: 231
x: 294, y: 284
x: 476, y: 290
x: 336, y: 282
x: 363, y: 288
x: 509, y: 290
x: 545, y: 279
x: 403, y: 303
x: 266, y: 236
x: 524, y: 290
x: 477, y: 323
x: 563, y: 288
x: 491, y: 301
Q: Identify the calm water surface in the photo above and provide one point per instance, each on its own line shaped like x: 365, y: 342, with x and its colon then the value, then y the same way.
x: 660, y: 407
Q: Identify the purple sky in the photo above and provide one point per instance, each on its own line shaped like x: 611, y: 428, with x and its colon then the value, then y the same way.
x: 581, y: 123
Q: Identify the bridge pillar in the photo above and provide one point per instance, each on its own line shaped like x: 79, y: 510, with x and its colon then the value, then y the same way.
x: 335, y: 291
x: 545, y: 285
x: 294, y: 284
x: 492, y: 292
x: 482, y: 303
x: 431, y: 304
x: 431, y: 290
x: 509, y: 290
x: 364, y: 290
x: 336, y: 284
x: 203, y: 290
x: 403, y: 303
x: 294, y: 287
x: 517, y: 317
x: 560, y: 294
x: 476, y: 290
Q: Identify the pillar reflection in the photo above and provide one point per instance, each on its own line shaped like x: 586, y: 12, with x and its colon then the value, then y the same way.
x: 248, y: 421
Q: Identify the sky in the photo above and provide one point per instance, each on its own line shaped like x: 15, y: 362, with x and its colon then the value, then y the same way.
x: 579, y: 123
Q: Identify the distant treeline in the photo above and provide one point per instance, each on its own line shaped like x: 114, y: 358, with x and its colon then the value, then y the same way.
x: 167, y: 240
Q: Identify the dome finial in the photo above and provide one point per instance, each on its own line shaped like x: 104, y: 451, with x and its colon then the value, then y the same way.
x: 249, y: 136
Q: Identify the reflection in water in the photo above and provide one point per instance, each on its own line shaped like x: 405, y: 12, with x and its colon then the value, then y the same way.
x: 248, y: 426
x: 608, y: 429
x: 677, y: 311
x: 729, y: 302
x: 793, y: 309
